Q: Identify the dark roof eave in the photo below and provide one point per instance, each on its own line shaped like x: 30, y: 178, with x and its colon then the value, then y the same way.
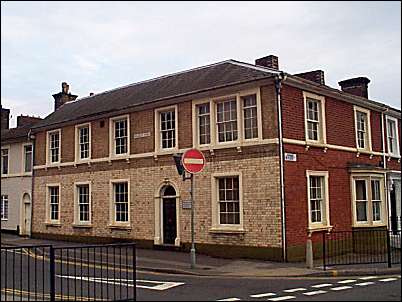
x: 39, y: 128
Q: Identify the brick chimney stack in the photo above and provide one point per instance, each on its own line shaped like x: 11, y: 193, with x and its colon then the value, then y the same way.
x: 356, y: 86
x: 5, y: 118
x: 26, y: 120
x: 270, y: 61
x: 315, y: 76
x: 63, y: 97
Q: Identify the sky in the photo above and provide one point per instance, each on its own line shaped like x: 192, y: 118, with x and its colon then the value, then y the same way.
x: 98, y: 46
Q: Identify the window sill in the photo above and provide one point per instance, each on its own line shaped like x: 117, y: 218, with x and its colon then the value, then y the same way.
x: 369, y: 225
x: 87, y: 226
x: 320, y: 228
x: 119, y: 227
x: 227, y: 231
x: 53, y: 224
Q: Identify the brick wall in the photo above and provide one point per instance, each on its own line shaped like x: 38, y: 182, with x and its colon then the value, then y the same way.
x: 259, y: 166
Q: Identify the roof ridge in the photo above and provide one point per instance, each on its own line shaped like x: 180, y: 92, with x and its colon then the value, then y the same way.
x: 153, y: 79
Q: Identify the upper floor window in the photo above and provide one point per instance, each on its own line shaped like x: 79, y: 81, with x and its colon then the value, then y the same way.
x: 362, y: 125
x: 4, y: 161
x: 250, y: 119
x: 368, y: 200
x: 4, y: 207
x: 392, y: 136
x: 204, y: 122
x: 54, y: 146
x: 83, y: 136
x: 227, y: 120
x: 318, y: 200
x: 314, y: 117
x: 28, y: 158
x: 120, y: 133
x: 166, y: 128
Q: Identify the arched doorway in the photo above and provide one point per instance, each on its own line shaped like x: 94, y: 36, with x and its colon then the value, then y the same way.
x: 26, y: 215
x: 169, y: 214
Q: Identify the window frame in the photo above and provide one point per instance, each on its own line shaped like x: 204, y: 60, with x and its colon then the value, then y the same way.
x: 322, y: 128
x: 214, y: 143
x: 48, y: 204
x: 158, y: 132
x: 77, y: 220
x: 368, y: 177
x: 112, y: 138
x: 368, y: 146
x: 78, y: 145
x: 398, y: 151
x: 8, y: 160
x: 112, y: 208
x: 48, y: 145
x: 24, y: 158
x: 4, y: 214
x: 325, y: 213
x: 216, y: 226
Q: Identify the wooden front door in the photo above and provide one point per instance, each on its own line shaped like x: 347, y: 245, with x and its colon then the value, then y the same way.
x: 169, y: 220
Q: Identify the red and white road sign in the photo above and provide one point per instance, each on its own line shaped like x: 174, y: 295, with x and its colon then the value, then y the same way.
x: 193, y: 161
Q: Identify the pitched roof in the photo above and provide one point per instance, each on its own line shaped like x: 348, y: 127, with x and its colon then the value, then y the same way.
x: 15, y: 134
x: 182, y: 83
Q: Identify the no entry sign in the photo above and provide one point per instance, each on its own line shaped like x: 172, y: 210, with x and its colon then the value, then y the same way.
x: 193, y: 161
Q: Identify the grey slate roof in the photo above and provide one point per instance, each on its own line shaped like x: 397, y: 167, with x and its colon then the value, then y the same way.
x: 195, y: 80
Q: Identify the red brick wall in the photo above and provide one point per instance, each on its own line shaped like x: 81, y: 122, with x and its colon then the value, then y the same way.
x: 336, y: 163
x: 67, y: 144
x: 185, y: 122
x: 142, y: 122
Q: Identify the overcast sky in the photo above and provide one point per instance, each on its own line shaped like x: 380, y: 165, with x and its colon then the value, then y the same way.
x: 97, y: 46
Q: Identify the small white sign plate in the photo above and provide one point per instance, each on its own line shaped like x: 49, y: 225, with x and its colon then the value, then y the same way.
x: 186, y: 204
x: 290, y: 157
x: 140, y: 135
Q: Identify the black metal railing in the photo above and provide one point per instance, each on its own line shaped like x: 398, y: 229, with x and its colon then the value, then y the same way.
x: 361, y: 247
x: 74, y: 273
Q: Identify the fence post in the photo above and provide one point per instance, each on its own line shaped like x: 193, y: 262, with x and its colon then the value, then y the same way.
x: 52, y: 276
x: 135, y: 272
x: 389, y: 248
x: 323, y: 250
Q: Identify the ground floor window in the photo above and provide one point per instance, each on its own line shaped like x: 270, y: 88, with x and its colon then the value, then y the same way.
x: 318, y: 199
x: 54, y: 203
x: 120, y: 202
x: 4, y: 207
x: 368, y: 200
x: 83, y: 199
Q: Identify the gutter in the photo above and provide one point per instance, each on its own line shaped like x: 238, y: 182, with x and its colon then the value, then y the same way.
x: 278, y: 87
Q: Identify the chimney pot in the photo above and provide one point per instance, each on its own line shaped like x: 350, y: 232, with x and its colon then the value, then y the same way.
x: 91, y: 93
x: 270, y: 61
x: 356, y: 86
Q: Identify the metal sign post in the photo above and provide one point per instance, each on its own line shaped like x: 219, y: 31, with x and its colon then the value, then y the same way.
x: 193, y: 161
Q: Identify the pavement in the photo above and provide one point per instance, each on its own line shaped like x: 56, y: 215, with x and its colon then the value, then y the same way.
x: 173, y: 262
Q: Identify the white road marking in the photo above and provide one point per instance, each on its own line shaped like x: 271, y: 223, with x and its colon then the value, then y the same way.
x: 340, y: 288
x: 364, y: 284
x: 321, y: 285
x: 282, y: 298
x: 194, y: 161
x: 230, y: 299
x: 263, y: 295
x: 368, y: 278
x: 346, y: 281
x: 317, y: 292
x: 293, y: 290
x: 160, y: 285
x: 388, y: 279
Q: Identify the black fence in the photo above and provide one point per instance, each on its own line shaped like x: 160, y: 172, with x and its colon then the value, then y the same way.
x: 361, y: 247
x: 81, y: 273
